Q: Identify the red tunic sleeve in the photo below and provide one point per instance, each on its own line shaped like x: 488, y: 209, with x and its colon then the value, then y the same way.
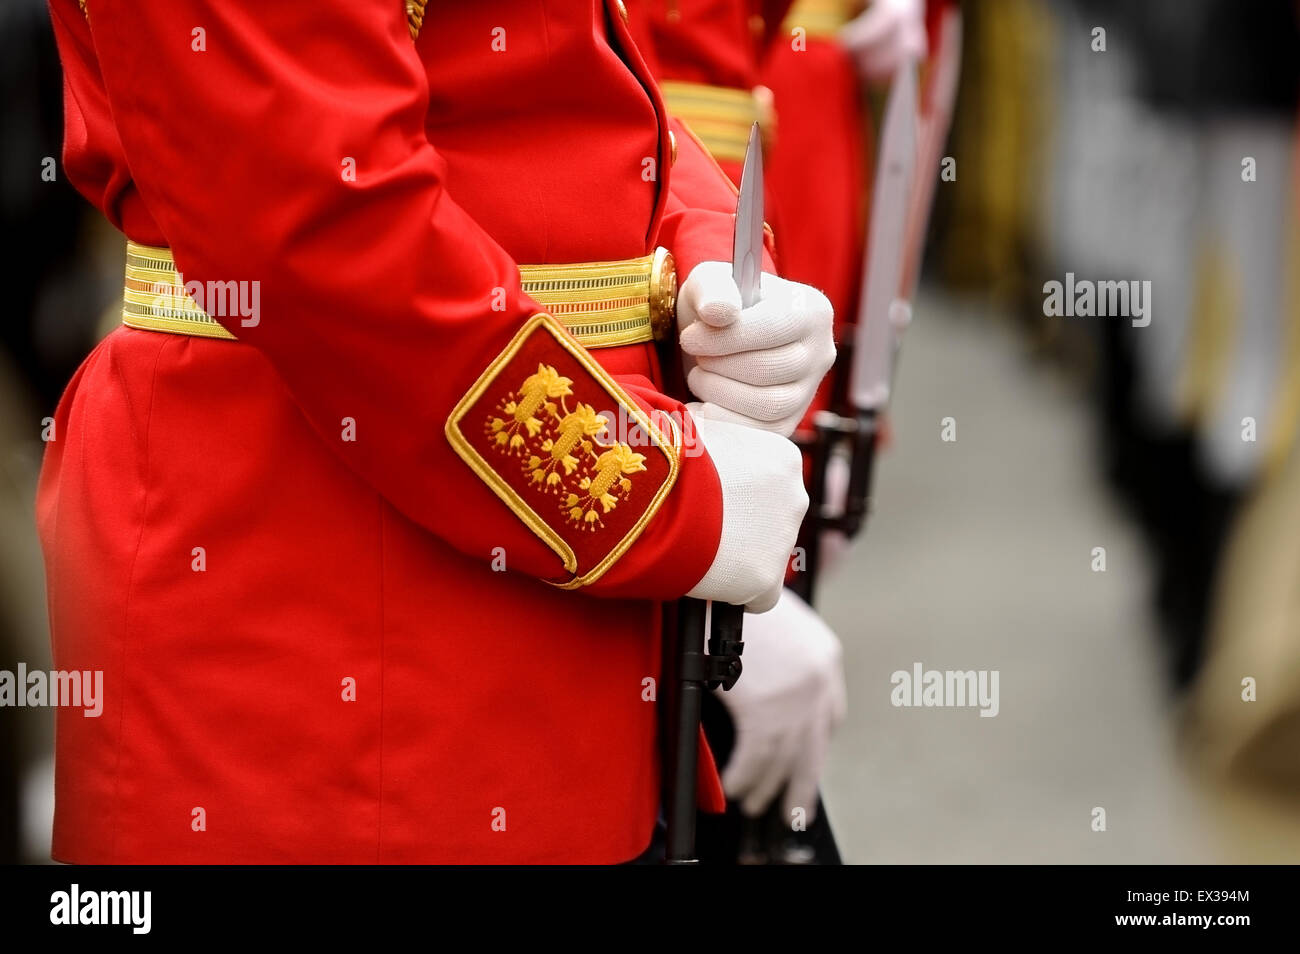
x: 288, y: 149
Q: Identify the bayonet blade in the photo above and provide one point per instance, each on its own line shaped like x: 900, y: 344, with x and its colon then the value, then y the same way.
x: 882, y: 273
x: 936, y: 118
x: 747, y: 247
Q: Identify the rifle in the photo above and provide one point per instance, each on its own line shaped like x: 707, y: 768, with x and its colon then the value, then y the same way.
x: 694, y: 670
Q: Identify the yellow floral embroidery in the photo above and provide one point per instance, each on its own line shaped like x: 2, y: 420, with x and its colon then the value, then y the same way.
x: 561, y: 448
x: 610, y: 466
x: 573, y: 427
x: 520, y: 412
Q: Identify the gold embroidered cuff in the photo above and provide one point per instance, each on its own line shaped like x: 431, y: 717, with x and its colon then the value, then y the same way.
x: 565, y: 448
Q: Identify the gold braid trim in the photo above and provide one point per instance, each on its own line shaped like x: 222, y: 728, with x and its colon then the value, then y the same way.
x: 415, y: 16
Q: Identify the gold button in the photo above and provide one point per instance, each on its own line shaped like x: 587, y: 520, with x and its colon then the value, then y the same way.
x: 672, y: 141
x: 663, y: 293
x: 757, y: 25
x: 622, y: 9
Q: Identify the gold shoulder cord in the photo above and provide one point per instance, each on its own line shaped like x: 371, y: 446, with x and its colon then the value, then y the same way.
x: 415, y: 15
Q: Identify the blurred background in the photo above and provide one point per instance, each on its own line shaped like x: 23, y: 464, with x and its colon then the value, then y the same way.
x: 1164, y: 688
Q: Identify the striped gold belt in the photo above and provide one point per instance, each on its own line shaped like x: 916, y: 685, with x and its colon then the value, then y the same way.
x: 821, y: 18
x: 603, y: 304
x: 721, y: 116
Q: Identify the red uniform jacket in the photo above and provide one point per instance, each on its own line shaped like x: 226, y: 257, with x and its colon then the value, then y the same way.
x: 334, y: 624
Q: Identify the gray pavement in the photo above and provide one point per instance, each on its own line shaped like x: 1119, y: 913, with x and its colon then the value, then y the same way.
x: 979, y: 556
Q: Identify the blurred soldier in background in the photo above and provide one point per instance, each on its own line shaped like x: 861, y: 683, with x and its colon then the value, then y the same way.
x: 1163, y: 147
x: 1207, y: 98
x: 1235, y: 75
x: 1174, y: 160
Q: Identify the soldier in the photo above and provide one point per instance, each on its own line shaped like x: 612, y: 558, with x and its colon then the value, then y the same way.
x: 369, y: 513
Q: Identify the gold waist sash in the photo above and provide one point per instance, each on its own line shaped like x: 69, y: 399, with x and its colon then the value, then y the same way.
x: 603, y: 304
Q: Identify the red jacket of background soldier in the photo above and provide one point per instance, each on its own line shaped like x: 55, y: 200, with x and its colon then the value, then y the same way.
x: 713, y: 58
x: 706, y: 55
x: 334, y: 627
x: 819, y: 170
x: 818, y: 173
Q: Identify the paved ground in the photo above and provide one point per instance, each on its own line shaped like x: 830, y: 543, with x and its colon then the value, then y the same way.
x: 979, y: 557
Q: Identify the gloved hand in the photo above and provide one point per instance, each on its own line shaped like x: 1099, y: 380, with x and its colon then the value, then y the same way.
x: 786, y: 704
x: 763, y: 503
x: 759, y: 366
x: 882, y: 35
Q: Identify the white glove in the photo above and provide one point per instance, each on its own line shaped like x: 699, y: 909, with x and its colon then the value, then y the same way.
x: 882, y: 35
x: 759, y: 366
x: 763, y: 503
x: 787, y: 703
